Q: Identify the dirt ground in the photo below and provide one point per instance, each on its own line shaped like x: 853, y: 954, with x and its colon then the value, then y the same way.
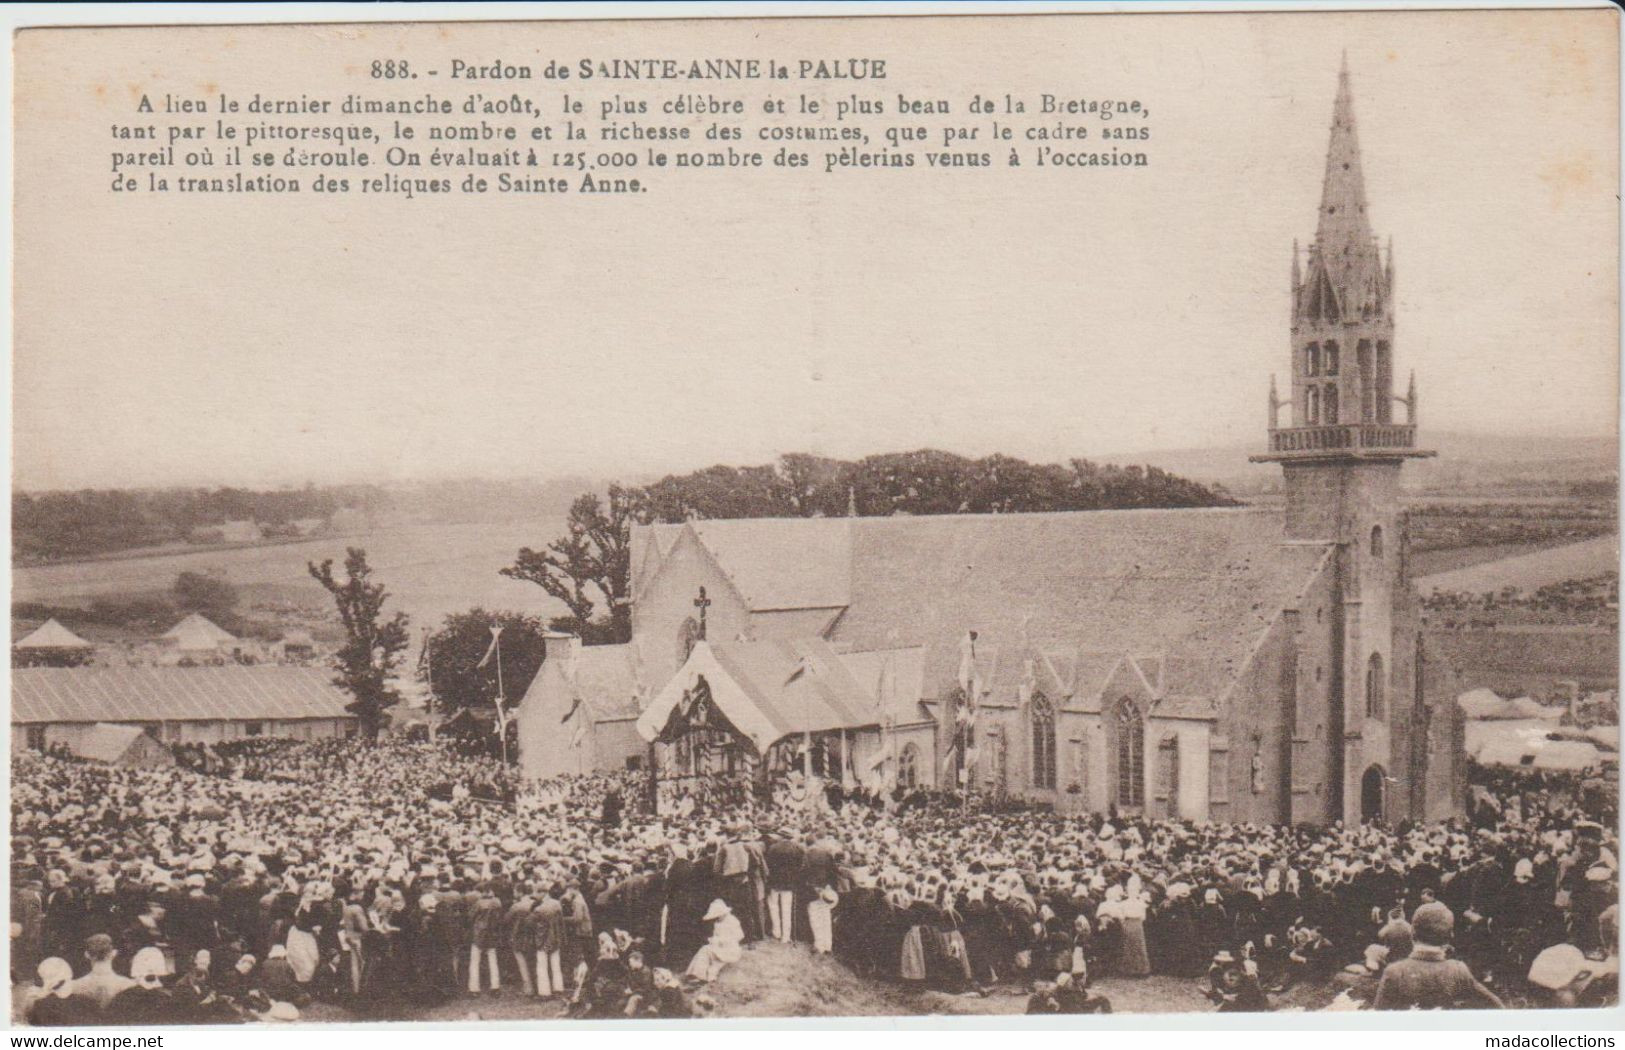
x: 777, y: 980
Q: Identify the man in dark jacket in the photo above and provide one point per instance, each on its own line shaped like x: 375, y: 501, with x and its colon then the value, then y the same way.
x: 817, y: 871
x: 195, y: 925
x: 785, y: 857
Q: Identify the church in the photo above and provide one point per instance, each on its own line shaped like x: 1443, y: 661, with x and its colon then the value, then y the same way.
x: 1246, y: 664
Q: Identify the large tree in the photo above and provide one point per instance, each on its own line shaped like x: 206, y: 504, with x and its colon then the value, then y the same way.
x: 590, y: 566
x: 201, y: 593
x: 453, y: 664
x: 372, y: 645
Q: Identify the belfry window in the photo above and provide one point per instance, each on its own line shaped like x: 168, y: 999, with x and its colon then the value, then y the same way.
x: 1311, y: 409
x: 1328, y: 409
x: 1385, y: 383
x: 1330, y: 358
x: 1311, y: 360
x: 1376, y: 541
x: 1368, y: 382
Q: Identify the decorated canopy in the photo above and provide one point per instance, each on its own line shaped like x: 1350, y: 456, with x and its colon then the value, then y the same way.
x: 760, y: 691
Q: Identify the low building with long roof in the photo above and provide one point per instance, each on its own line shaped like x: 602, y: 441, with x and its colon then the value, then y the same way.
x: 60, y: 706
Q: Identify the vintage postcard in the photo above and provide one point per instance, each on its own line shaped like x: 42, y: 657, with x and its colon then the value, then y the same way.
x: 782, y: 517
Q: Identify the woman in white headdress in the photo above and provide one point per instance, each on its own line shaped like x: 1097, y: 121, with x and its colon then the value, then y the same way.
x: 303, y: 953
x: 1128, y: 911
x: 724, y: 947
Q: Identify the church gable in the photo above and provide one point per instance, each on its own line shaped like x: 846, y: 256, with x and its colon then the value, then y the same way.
x: 1091, y: 673
x: 1127, y: 682
x: 666, y: 618
x: 1056, y: 672
x: 651, y: 544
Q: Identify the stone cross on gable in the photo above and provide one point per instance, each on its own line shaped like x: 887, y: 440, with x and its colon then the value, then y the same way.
x: 702, y: 603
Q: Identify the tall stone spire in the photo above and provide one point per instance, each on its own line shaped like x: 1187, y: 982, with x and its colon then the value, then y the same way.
x: 1341, y: 362
x: 1343, y: 222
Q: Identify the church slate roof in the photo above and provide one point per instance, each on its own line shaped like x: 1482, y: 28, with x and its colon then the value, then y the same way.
x: 606, y: 679
x: 784, y: 563
x: 1196, y: 587
x: 1188, y: 592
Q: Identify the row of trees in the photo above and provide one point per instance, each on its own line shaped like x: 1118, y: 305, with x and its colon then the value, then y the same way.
x: 55, y: 525
x: 589, y: 567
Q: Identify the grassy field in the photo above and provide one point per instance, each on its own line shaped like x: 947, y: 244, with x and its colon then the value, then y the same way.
x: 430, y: 570
x: 1530, y: 571
x: 1431, y: 563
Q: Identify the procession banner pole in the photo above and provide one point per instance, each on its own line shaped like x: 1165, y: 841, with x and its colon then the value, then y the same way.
x: 502, y: 714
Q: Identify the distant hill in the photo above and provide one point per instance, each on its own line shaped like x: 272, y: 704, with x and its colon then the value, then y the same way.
x: 1466, y: 462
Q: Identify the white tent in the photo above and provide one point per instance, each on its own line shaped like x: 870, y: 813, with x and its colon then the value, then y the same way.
x: 1527, y: 744
x: 197, y: 633
x: 1528, y: 707
x: 52, y: 635
x: 1483, y: 703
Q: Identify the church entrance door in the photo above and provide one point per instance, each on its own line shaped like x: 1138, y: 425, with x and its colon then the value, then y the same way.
x: 1372, y: 790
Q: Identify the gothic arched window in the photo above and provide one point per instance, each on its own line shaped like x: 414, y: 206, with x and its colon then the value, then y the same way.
x: 1331, y: 358
x: 1312, y: 409
x: 1376, y: 541
x: 1328, y: 411
x: 1375, y: 688
x: 1311, y: 360
x: 908, y: 766
x: 1043, y: 725
x: 1129, y: 726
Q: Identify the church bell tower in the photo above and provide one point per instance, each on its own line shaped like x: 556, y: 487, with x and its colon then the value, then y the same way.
x: 1341, y: 451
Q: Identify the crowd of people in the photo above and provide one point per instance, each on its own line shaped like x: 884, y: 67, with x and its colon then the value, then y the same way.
x: 386, y: 878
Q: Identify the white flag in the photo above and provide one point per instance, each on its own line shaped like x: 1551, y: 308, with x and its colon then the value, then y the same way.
x: 967, y: 660
x: 490, y: 650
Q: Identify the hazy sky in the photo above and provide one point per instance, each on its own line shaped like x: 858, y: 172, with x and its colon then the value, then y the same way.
x: 733, y: 317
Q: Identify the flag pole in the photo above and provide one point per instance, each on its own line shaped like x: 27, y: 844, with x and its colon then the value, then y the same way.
x: 434, y: 701
x: 502, y: 714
